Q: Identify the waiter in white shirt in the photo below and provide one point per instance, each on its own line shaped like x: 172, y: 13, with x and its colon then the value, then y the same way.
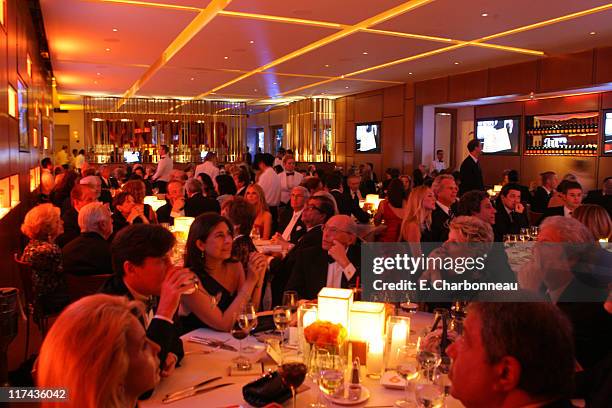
x: 269, y: 181
x: 164, y: 169
x: 438, y: 164
x: 289, y: 179
x: 209, y: 167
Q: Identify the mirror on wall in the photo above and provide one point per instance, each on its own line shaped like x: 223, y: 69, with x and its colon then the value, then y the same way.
x: 445, y: 134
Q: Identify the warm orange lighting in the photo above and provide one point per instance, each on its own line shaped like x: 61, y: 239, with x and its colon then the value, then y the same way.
x: 12, y: 101
x: 265, y: 17
x: 151, y: 4
x: 45, y: 142
x: 2, y: 11
x: 29, y: 65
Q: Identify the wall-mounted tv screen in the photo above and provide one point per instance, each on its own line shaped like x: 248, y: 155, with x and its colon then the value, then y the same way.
x: 607, y: 132
x: 367, y: 137
x: 131, y: 157
x: 499, y: 135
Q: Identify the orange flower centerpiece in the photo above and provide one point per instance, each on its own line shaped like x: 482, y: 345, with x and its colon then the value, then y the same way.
x: 327, y: 336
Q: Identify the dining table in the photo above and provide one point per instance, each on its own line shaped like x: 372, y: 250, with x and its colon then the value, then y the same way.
x: 203, y: 362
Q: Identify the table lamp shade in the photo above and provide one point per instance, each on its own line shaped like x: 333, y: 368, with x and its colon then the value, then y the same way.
x: 154, y: 202
x: 367, y: 321
x: 334, y: 305
x: 182, y: 224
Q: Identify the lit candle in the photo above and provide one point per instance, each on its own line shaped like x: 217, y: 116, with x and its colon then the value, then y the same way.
x: 398, y: 336
x: 309, y: 317
x: 374, y: 360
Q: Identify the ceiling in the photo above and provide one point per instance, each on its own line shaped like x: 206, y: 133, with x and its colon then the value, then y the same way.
x: 270, y: 51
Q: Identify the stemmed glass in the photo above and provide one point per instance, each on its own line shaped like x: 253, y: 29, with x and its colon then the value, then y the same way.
x: 429, y: 390
x: 293, y: 372
x: 320, y: 360
x: 533, y: 232
x: 331, y: 374
x: 249, y: 320
x: 290, y: 299
x: 282, y: 318
x: 239, y: 333
x: 407, y: 367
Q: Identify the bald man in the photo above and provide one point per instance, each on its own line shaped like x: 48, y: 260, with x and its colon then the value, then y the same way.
x: 335, y: 264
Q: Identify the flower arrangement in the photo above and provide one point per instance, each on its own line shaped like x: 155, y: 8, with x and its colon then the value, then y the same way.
x: 325, y: 334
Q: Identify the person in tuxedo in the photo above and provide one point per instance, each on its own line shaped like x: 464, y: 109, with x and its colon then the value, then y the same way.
x: 248, y: 159
x: 512, y: 177
x: 80, y: 195
x: 602, y: 197
x: 513, y: 355
x: 348, y: 200
x: 470, y: 171
x: 142, y: 272
x: 571, y: 195
x: 511, y: 214
x: 289, y: 178
x: 445, y: 190
x: 108, y: 181
x: 196, y: 203
x: 175, y: 203
x: 543, y: 193
x: 290, y: 218
x: 336, y: 263
x: 477, y: 204
x: 242, y: 179
x: 89, y: 253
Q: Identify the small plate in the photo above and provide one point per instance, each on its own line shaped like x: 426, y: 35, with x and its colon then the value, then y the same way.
x: 365, y: 395
x: 391, y: 379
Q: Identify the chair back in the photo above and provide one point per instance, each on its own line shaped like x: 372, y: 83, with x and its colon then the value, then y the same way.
x: 535, y: 217
x: 25, y: 274
x: 80, y: 286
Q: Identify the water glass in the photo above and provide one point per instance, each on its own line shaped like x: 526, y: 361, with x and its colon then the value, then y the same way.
x: 429, y: 391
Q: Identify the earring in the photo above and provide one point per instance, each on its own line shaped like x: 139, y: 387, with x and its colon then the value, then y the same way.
x: 202, y: 254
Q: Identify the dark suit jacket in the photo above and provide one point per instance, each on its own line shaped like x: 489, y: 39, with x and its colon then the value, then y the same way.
x: 597, y: 197
x: 552, y: 211
x: 280, y: 269
x: 160, y: 331
x: 112, y: 183
x: 284, y: 218
x: 71, y: 227
x: 503, y: 223
x: 309, y: 275
x: 348, y: 206
x: 440, y: 222
x: 241, y: 192
x: 470, y: 175
x: 540, y: 200
x: 198, y: 204
x: 88, y: 254
x: 163, y: 214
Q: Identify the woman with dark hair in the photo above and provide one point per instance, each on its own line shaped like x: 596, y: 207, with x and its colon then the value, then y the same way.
x: 137, y: 190
x: 242, y: 215
x: 417, y: 177
x: 208, y: 253
x: 61, y: 191
x: 225, y: 187
x: 392, y: 211
x: 209, y: 186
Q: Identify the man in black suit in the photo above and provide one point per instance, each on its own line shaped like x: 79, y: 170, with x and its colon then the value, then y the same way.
x: 470, y: 171
x: 571, y: 194
x: 347, y: 201
x: 511, y: 214
x: 107, y: 181
x: 175, y: 203
x: 139, y: 254
x: 80, y: 195
x: 543, y: 193
x: 242, y: 179
x: 336, y: 263
x: 513, y: 355
x: 89, y: 253
x: 316, y: 212
x: 512, y: 177
x: 290, y: 222
x: 445, y: 190
x: 196, y: 203
x: 602, y: 197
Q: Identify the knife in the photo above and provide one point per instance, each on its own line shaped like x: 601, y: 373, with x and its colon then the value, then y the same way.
x: 193, y: 387
x: 194, y: 392
x: 214, y: 344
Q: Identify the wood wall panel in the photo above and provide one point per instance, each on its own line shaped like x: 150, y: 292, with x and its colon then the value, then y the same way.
x: 350, y: 139
x: 340, y: 119
x: 471, y: 85
x: 393, y: 128
x: 393, y: 101
x: 350, y: 108
x: 513, y: 79
x: 432, y: 91
x: 580, y: 103
x: 532, y: 166
x: 605, y: 170
x: 409, y: 125
x: 499, y: 109
x: 606, y: 100
x: 369, y: 108
x: 566, y: 71
x: 603, y: 65
x: 11, y: 28
x: 493, y: 167
x: 409, y: 90
x: 408, y: 163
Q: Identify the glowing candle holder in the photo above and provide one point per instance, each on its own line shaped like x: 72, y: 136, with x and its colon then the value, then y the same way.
x: 367, y: 321
x: 181, y: 227
x: 154, y: 202
x: 335, y: 306
x: 306, y: 315
x: 497, y: 188
x: 398, y: 333
x: 375, y: 358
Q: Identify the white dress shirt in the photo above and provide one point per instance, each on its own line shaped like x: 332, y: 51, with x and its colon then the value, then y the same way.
x: 164, y: 169
x: 47, y: 182
x: 334, y: 274
x: 209, y: 168
x: 270, y: 183
x: 437, y: 165
x: 294, y: 219
x: 358, y: 192
x: 287, y: 183
x: 567, y: 212
x: 443, y: 207
x: 278, y: 162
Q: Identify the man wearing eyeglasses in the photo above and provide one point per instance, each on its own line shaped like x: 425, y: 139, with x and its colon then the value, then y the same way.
x: 336, y: 263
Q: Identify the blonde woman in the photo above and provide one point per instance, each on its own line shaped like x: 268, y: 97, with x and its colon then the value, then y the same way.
x: 137, y: 190
x: 416, y: 226
x: 596, y: 219
x: 42, y: 225
x: 98, y: 350
x: 263, y: 221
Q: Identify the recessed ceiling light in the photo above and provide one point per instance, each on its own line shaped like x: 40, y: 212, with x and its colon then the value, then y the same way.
x: 226, y: 57
x: 346, y: 87
x: 273, y: 83
x: 592, y: 33
x: 98, y: 74
x: 326, y: 65
x: 115, y: 30
x: 410, y: 73
x: 484, y: 14
x: 192, y: 79
x: 213, y: 93
x: 108, y: 49
x: 365, y: 53
x: 255, y: 90
x: 251, y: 42
x: 456, y: 62
x: 96, y: 82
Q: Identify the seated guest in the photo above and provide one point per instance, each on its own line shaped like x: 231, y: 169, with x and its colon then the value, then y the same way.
x: 89, y: 253
x: 313, y: 184
x: 175, y: 203
x: 407, y: 183
x: 137, y: 190
x: 47, y: 179
x: 98, y: 350
x: 602, y: 197
x: 263, y: 220
x: 242, y: 215
x: 368, y: 185
x: 511, y: 215
x: 196, y: 203
x: 96, y: 184
x: 226, y: 188
x: 416, y: 227
x: 334, y: 186
x: 315, y: 213
x: 60, y: 195
x: 392, y: 212
x: 108, y: 181
x: 290, y: 218
x: 513, y: 355
x: 313, y: 270
x: 445, y: 189
x: 80, y: 195
x: 208, y: 254
x: 242, y: 179
x: 209, y: 167
x: 289, y: 179
x: 126, y: 212
x: 557, y: 200
x: 570, y: 192
x: 596, y: 219
x: 208, y: 187
x: 477, y: 204
x: 352, y: 196
x: 544, y: 192
x: 42, y: 225
x: 142, y: 271
x: 324, y: 193
x: 512, y: 177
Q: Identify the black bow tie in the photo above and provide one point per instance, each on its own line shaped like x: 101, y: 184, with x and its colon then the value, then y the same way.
x: 289, y: 173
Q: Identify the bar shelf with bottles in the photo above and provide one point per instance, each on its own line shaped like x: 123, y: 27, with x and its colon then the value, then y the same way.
x: 572, y: 134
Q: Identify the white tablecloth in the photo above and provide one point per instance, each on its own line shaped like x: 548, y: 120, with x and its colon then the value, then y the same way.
x: 198, y: 367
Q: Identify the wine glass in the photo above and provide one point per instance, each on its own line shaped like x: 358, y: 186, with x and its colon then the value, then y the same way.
x: 282, y: 318
x: 428, y: 390
x: 331, y: 374
x: 319, y: 360
x: 533, y: 232
x: 428, y: 361
x: 249, y: 320
x: 407, y: 367
x: 293, y: 372
x: 239, y: 333
x: 290, y: 299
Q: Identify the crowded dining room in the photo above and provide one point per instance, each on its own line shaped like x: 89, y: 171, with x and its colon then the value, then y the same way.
x: 290, y: 203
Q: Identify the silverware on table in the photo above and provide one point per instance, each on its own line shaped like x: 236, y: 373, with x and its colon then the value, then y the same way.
x: 194, y: 392
x: 193, y: 387
x: 211, y: 343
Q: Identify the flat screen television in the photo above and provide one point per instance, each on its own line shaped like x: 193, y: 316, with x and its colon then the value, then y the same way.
x: 499, y: 135
x: 367, y: 137
x: 607, y: 132
x: 131, y: 157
